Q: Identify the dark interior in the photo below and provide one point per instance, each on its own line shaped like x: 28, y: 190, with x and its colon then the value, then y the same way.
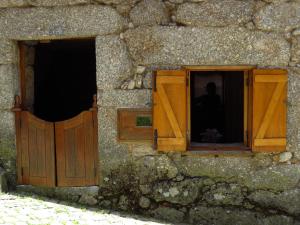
x: 217, y: 107
x: 65, y: 79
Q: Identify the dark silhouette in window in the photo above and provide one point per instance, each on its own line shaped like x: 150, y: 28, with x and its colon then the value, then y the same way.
x: 208, y: 123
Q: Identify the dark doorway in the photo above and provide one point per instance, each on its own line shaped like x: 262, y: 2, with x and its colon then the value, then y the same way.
x: 65, y: 78
x: 217, y: 107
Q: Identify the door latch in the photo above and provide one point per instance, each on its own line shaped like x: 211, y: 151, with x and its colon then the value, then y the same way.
x: 155, y: 139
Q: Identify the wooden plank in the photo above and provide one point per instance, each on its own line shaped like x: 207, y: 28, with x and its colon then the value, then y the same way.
x: 94, y: 111
x: 22, y: 66
x: 270, y: 78
x: 270, y: 111
x: 246, y: 105
x: 24, y: 147
x: 277, y: 72
x: 219, y: 68
x: 167, y: 80
x: 171, y: 141
x: 170, y: 73
x: 270, y: 142
x: 169, y: 111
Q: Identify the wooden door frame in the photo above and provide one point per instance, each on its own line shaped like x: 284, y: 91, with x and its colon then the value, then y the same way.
x: 247, y: 106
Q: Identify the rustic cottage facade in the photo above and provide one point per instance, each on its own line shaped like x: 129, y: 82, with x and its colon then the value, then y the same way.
x: 184, y: 110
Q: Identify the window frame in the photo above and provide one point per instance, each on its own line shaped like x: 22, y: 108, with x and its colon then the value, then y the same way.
x: 247, y: 70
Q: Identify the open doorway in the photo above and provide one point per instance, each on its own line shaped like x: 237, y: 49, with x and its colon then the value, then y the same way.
x: 217, y: 107
x: 56, y: 122
x: 64, y: 78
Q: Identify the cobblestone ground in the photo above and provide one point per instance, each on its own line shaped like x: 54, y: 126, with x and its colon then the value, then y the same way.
x: 20, y: 209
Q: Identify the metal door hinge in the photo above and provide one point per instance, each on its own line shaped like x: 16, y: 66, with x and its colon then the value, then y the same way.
x: 154, y: 81
x: 95, y: 172
x: 248, y: 82
x: 155, y: 139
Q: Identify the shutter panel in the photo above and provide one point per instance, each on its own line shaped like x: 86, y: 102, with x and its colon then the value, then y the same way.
x: 169, y: 110
x: 269, y: 110
x: 37, y: 151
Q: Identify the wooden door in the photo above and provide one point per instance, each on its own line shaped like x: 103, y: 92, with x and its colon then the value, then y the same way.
x: 169, y: 110
x: 269, y: 110
x: 76, y: 150
x: 36, y: 150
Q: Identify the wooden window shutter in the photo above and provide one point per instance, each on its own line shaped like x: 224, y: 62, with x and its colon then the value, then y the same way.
x: 170, y: 110
x: 269, y: 110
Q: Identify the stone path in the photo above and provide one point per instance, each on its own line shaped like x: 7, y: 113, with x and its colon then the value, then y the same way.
x: 30, y: 210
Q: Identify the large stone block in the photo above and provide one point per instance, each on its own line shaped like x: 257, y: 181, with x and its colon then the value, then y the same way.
x: 140, y: 98
x: 183, y: 192
x: 3, y: 181
x: 224, y: 194
x: 169, y: 214
x: 8, y: 84
x: 114, y: 2
x: 109, y: 147
x: 149, y: 12
x: 287, y: 201
x: 278, y: 17
x: 56, y: 2
x: 293, y: 119
x: 277, y: 178
x: 215, y: 13
x: 59, y: 22
x: 113, y: 62
x: 7, y: 141
x: 206, y: 46
x: 7, y: 125
x: 253, y: 173
x: 13, y: 3
x: 295, y: 51
x: 155, y: 167
x: 222, y: 216
x: 8, y: 51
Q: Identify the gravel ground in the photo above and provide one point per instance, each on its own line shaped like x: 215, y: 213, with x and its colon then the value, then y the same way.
x: 26, y: 209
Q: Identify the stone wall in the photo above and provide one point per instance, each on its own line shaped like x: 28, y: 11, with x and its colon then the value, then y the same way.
x: 136, y: 37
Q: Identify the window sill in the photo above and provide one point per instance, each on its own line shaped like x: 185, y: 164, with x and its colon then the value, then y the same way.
x: 219, y: 153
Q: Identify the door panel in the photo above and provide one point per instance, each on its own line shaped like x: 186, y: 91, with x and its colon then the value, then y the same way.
x: 37, y: 151
x: 76, y: 151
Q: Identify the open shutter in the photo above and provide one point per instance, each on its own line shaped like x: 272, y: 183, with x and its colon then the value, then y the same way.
x: 170, y: 110
x: 269, y: 110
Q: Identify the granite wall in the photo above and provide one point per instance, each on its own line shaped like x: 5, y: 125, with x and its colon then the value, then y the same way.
x: 136, y: 37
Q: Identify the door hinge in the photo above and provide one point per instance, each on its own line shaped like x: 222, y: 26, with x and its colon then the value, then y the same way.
x: 248, y: 82
x: 154, y: 81
x: 155, y: 139
x: 95, y: 172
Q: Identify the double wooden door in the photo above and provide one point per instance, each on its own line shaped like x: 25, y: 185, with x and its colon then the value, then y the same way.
x: 57, y: 153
